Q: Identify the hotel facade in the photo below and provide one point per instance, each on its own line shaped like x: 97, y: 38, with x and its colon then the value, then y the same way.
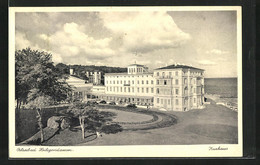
x: 172, y: 88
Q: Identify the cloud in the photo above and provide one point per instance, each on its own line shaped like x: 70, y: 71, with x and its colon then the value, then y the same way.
x: 206, y: 62
x: 216, y: 52
x: 145, y: 31
x: 71, y: 42
x: 21, y: 41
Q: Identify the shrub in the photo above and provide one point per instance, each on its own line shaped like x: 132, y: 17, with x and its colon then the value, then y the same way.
x: 112, y: 128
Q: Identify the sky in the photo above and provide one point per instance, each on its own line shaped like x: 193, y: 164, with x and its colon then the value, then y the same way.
x: 203, y: 39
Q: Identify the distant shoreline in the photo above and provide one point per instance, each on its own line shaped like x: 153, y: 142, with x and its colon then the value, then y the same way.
x: 229, y: 102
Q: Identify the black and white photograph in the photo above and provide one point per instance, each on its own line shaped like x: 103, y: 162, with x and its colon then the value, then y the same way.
x: 125, y: 82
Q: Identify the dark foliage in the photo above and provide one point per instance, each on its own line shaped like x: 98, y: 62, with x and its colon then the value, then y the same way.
x: 111, y: 129
x: 131, y: 106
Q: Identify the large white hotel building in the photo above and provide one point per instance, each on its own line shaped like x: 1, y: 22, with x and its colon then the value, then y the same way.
x: 174, y: 87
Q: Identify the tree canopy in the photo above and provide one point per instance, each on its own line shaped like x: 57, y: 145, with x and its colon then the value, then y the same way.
x: 36, y: 75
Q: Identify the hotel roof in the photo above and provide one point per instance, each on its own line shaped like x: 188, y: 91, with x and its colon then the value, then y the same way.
x: 179, y: 66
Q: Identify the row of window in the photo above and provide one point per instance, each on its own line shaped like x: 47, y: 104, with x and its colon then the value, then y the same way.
x: 176, y: 82
x: 167, y: 91
x: 163, y: 74
x: 167, y: 82
x: 170, y: 73
x: 146, y: 75
x: 167, y: 101
x: 159, y: 82
x: 132, y: 70
x: 128, y: 82
x: 130, y: 89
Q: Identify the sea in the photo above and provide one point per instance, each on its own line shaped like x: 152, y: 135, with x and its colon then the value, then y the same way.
x: 222, y: 90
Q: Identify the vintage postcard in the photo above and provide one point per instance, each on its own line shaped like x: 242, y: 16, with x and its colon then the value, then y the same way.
x: 125, y: 82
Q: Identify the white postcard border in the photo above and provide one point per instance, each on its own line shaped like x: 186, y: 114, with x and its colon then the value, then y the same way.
x: 233, y: 150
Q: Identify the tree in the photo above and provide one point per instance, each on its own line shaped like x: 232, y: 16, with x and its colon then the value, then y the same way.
x: 89, y: 117
x: 35, y: 73
x: 81, y: 111
x: 38, y: 82
x: 63, y: 68
x: 38, y: 104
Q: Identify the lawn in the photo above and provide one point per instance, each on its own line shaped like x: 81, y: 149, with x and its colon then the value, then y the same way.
x: 213, y: 125
x: 123, y: 116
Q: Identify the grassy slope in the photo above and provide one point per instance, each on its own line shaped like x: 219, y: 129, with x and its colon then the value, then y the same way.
x: 213, y: 125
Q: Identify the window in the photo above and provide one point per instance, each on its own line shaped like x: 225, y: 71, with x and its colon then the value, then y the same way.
x: 142, y: 90
x: 110, y: 89
x: 176, y: 91
x: 124, y: 89
x: 163, y: 74
x: 170, y: 74
x: 147, y: 90
x: 114, y: 82
x: 194, y: 100
x: 151, y: 90
x: 121, y: 89
x: 117, y: 82
x: 121, y: 82
x: 158, y: 82
x: 133, y: 82
x: 147, y: 82
x: 151, y: 81
x: 176, y: 82
x: 157, y: 91
x: 165, y: 82
x: 114, y: 89
x: 124, y: 82
x: 158, y: 100
x: 117, y: 89
x: 138, y: 90
x: 128, y: 81
x: 185, y: 90
x: 133, y: 89
x: 134, y: 69
x: 161, y: 101
x: 142, y: 81
x: 110, y: 82
x: 137, y: 81
x: 177, y: 102
x: 169, y: 101
x: 107, y: 88
x: 128, y: 89
x: 158, y: 74
x: 185, y: 81
x: 176, y: 73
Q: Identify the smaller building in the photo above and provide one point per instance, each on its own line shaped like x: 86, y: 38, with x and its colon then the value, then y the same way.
x: 94, y: 77
x: 81, y: 90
